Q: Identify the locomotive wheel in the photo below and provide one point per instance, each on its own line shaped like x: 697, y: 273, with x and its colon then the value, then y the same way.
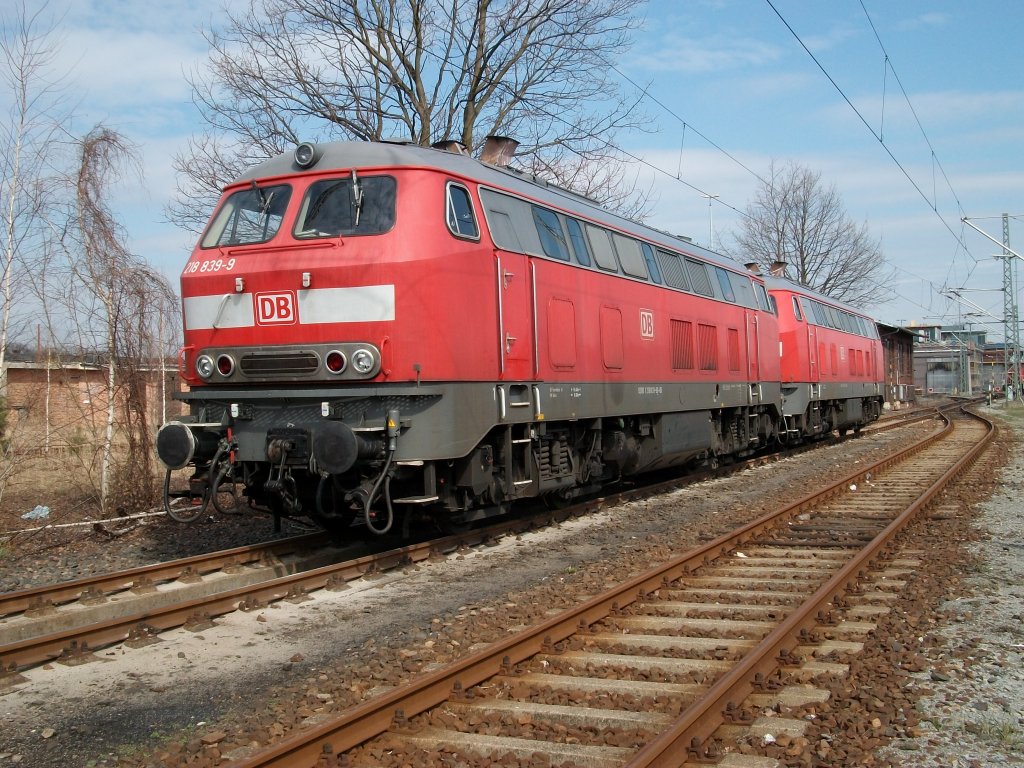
x: 556, y: 501
x: 448, y: 525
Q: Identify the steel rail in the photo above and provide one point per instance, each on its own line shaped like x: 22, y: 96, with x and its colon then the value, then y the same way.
x: 39, y: 600
x: 690, y: 732
x: 81, y: 640
x: 33, y: 598
x: 20, y: 601
x: 377, y: 715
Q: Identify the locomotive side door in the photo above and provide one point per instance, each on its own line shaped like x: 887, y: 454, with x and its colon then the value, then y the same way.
x: 812, y: 352
x: 753, y: 347
x: 516, y: 320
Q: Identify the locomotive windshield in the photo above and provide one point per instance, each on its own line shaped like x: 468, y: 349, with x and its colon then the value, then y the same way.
x: 335, y: 207
x: 249, y: 216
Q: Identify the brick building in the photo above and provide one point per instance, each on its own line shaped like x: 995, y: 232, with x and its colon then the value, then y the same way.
x: 898, y: 353
x: 62, y: 405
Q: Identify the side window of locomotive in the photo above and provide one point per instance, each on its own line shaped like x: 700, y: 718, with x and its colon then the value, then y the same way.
x: 552, y: 238
x: 834, y: 320
x: 796, y: 310
x: 460, y: 215
x: 335, y: 207
x: 248, y: 216
x: 819, y: 314
x: 822, y: 314
x: 762, y: 297
x: 699, y: 278
x: 511, y: 222
x: 601, y: 246
x: 743, y: 289
x: 672, y: 268
x: 652, y: 263
x: 629, y: 256
x: 724, y: 284
x: 579, y: 242
x: 503, y: 232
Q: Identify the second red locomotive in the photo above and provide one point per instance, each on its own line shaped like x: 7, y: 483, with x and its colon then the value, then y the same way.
x: 383, y: 330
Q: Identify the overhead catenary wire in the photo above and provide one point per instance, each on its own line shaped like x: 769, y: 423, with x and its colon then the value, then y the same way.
x: 687, y: 126
x: 924, y: 134
x: 931, y: 204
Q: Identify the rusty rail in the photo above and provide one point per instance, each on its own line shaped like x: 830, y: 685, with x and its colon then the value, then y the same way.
x: 377, y: 715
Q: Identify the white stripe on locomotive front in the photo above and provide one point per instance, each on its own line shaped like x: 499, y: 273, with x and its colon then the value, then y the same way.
x: 362, y: 304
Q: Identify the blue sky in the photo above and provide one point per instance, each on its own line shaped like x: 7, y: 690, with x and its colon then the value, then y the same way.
x: 731, y: 70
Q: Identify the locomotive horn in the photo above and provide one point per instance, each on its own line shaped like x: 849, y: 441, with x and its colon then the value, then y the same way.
x: 336, y: 447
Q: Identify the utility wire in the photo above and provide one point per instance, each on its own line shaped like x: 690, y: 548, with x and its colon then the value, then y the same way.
x: 924, y: 134
x: 867, y: 125
x: 685, y: 124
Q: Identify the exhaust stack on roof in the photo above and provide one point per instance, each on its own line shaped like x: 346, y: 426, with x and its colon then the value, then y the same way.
x: 778, y: 269
x: 498, y: 150
x: 451, y: 145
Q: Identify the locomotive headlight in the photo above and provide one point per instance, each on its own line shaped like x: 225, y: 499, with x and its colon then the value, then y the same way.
x: 363, y: 361
x: 204, y: 366
x: 225, y: 364
x: 305, y: 154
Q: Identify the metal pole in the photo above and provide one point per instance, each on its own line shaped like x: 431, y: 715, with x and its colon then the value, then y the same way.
x: 1011, y: 347
x: 711, y: 220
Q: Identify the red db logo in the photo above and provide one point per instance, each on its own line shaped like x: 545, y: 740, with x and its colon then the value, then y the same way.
x: 646, y: 324
x: 275, y: 308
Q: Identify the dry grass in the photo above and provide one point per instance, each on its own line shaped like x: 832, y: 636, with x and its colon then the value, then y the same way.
x: 66, y: 481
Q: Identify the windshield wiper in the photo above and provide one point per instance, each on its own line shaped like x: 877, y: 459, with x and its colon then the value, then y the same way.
x: 265, y: 200
x: 357, y: 196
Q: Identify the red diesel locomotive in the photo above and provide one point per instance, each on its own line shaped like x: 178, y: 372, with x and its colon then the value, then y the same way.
x: 386, y: 331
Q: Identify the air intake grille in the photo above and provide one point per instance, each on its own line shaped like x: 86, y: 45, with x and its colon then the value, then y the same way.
x: 281, y: 364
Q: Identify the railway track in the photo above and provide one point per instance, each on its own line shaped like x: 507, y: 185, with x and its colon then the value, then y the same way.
x: 67, y: 622
x: 671, y: 665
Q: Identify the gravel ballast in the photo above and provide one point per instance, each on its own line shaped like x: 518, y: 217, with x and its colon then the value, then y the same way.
x: 251, y: 679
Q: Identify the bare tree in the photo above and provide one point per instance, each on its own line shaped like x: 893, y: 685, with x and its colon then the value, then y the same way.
x: 283, y: 71
x: 120, y: 304
x: 797, y: 220
x: 27, y: 49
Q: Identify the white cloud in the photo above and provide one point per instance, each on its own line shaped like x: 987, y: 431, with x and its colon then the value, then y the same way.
x: 925, y: 20
x: 672, y: 52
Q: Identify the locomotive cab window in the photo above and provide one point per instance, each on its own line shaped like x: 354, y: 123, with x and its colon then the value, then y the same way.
x: 796, y: 310
x: 552, y: 238
x: 352, y: 205
x: 460, y: 215
x: 248, y: 216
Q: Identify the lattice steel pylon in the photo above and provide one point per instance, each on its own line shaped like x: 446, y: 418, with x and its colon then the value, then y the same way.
x: 1010, y: 317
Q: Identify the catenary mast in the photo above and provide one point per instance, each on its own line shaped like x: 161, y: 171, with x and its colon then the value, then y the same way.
x: 1010, y: 318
